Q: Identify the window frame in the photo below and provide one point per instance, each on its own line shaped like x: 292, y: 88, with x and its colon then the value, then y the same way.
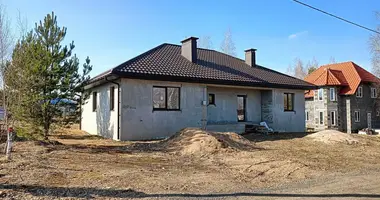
x: 332, y: 97
x: 286, y: 94
x: 112, y: 98
x: 213, y: 99
x: 94, y: 101
x: 166, y: 98
x: 360, y: 88
x: 320, y: 97
x: 357, y: 111
x: 373, y: 94
x: 333, y: 122
x: 307, y: 115
x: 319, y: 118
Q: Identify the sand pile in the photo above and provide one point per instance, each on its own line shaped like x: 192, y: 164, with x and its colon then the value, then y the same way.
x: 332, y: 137
x: 194, y: 141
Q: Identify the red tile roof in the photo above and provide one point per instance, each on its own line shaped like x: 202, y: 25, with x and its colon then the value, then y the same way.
x: 348, y: 75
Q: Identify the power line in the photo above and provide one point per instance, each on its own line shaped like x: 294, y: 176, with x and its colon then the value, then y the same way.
x: 345, y: 20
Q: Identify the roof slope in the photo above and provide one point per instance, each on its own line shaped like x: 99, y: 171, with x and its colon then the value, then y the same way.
x: 348, y: 75
x: 165, y: 62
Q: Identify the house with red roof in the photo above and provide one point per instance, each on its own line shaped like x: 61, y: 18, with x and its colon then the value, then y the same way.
x: 347, y: 98
x: 171, y: 87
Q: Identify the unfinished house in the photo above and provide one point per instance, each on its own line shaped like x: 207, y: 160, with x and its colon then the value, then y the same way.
x: 171, y: 87
x: 347, y: 99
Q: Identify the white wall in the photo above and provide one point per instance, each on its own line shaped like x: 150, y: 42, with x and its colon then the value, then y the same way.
x: 225, y: 108
x: 139, y: 121
x: 288, y: 121
x: 103, y: 121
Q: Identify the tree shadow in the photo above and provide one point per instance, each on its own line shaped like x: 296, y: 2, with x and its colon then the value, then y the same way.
x: 255, y: 137
x: 86, y: 192
x: 103, y: 115
x: 79, y: 137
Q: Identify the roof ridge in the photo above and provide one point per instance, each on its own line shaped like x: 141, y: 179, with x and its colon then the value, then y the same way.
x: 197, y: 47
x: 269, y: 69
x: 361, y: 68
x: 339, y: 63
x: 111, y: 70
x: 327, y: 75
x: 264, y: 68
x: 333, y: 75
x: 356, y: 71
x: 319, y: 75
x: 139, y: 56
x: 165, y: 62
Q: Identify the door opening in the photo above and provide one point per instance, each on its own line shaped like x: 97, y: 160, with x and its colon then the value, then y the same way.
x: 241, y: 110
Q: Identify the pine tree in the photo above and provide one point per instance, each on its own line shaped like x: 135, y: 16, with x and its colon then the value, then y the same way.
x: 51, y: 72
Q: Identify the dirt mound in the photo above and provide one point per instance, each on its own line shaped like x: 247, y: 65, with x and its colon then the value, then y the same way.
x: 332, y: 137
x: 194, y: 141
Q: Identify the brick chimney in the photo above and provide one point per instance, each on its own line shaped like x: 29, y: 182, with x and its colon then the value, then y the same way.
x: 189, y: 49
x: 250, y: 57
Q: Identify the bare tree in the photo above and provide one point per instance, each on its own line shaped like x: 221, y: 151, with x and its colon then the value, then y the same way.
x: 332, y: 60
x: 312, y: 65
x: 374, y: 43
x: 6, y: 43
x: 22, y: 25
x: 228, y: 46
x: 297, y: 69
x: 6, y: 39
x: 205, y: 42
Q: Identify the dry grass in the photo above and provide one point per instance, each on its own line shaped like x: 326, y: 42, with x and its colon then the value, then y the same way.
x: 85, y: 166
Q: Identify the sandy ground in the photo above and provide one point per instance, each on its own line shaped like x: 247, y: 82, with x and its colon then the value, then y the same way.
x: 275, y: 167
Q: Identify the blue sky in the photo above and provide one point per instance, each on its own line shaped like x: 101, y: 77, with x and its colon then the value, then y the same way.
x: 113, y: 31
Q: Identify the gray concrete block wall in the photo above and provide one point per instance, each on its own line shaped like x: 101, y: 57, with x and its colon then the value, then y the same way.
x: 288, y: 121
x: 365, y: 105
x: 348, y: 117
x: 139, y: 121
x: 343, y: 113
x: 333, y: 106
x: 320, y: 106
x: 225, y: 109
x: 309, y: 107
x: 267, y: 107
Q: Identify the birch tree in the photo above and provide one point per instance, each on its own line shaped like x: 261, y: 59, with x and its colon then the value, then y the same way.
x: 6, y: 43
x: 297, y: 69
x: 374, y: 43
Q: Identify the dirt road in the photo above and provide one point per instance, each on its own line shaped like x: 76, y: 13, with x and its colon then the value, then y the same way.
x: 79, y: 166
x: 356, y: 185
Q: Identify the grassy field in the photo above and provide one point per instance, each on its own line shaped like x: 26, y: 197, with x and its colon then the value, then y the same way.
x: 85, y: 166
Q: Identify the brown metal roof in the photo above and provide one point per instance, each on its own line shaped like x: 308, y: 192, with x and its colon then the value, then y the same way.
x: 165, y: 62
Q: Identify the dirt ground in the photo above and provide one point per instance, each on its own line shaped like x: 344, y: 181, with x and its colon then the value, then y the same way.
x: 81, y: 166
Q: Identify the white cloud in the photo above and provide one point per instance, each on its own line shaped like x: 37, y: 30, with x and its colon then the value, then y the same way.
x: 296, y: 35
